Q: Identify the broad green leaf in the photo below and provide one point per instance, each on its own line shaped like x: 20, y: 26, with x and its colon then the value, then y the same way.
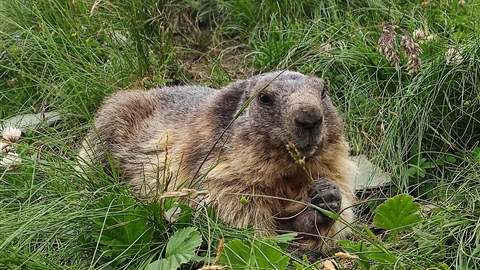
x: 236, y: 254
x: 419, y: 167
x: 181, y: 248
x: 367, y: 254
x: 269, y: 256
x: 397, y: 214
x: 253, y: 255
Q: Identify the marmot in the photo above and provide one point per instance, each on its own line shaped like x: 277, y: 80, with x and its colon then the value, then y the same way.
x: 160, y: 138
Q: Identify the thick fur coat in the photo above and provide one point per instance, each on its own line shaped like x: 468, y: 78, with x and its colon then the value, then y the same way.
x: 159, y: 139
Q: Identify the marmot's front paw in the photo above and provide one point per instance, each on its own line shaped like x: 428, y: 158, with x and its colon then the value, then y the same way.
x: 326, y: 195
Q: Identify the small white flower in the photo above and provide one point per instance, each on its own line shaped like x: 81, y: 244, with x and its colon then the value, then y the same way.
x: 11, y: 134
x: 452, y: 56
x: 462, y: 2
x: 418, y: 34
x: 11, y: 159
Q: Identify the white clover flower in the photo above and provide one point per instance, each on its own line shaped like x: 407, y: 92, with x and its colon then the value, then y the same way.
x: 462, y: 2
x: 11, y: 134
x: 418, y: 34
x: 452, y: 56
x: 11, y: 159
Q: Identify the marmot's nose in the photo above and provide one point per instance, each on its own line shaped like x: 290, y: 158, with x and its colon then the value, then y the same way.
x: 308, y: 117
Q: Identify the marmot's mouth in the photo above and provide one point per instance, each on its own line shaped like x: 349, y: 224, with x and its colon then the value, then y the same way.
x: 307, y: 150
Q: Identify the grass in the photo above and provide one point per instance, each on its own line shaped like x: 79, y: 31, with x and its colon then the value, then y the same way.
x: 67, y: 56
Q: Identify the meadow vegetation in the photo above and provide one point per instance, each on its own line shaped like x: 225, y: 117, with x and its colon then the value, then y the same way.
x: 417, y: 120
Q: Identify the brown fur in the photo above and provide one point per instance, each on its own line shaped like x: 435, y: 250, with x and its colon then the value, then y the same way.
x: 166, y: 133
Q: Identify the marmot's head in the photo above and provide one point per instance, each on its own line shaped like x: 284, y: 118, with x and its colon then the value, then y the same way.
x: 292, y: 107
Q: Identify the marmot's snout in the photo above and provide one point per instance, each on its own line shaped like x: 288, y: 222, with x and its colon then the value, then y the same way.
x: 307, y: 125
x: 308, y: 118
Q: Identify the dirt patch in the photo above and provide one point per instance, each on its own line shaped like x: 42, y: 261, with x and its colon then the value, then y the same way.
x: 218, y: 65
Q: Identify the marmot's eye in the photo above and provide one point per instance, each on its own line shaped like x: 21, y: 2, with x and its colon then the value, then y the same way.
x: 264, y: 99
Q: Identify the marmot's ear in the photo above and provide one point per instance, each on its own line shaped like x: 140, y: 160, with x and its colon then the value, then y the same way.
x: 240, y: 89
x: 322, y: 85
x: 238, y: 86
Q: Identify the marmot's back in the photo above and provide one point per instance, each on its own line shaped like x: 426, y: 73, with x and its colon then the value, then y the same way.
x: 180, y: 103
x: 129, y: 117
x: 137, y: 110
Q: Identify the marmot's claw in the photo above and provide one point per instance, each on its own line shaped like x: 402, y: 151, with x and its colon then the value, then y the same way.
x: 326, y: 194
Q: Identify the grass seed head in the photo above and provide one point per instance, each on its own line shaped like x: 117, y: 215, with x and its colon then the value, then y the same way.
x: 292, y: 149
x: 412, y: 51
x: 330, y: 265
x: 346, y: 256
x: 386, y: 44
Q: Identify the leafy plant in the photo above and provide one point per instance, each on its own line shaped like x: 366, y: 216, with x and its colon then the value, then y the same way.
x: 397, y: 214
x: 180, y: 249
x: 255, y: 254
x: 122, y: 228
x: 419, y: 168
x: 476, y: 155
